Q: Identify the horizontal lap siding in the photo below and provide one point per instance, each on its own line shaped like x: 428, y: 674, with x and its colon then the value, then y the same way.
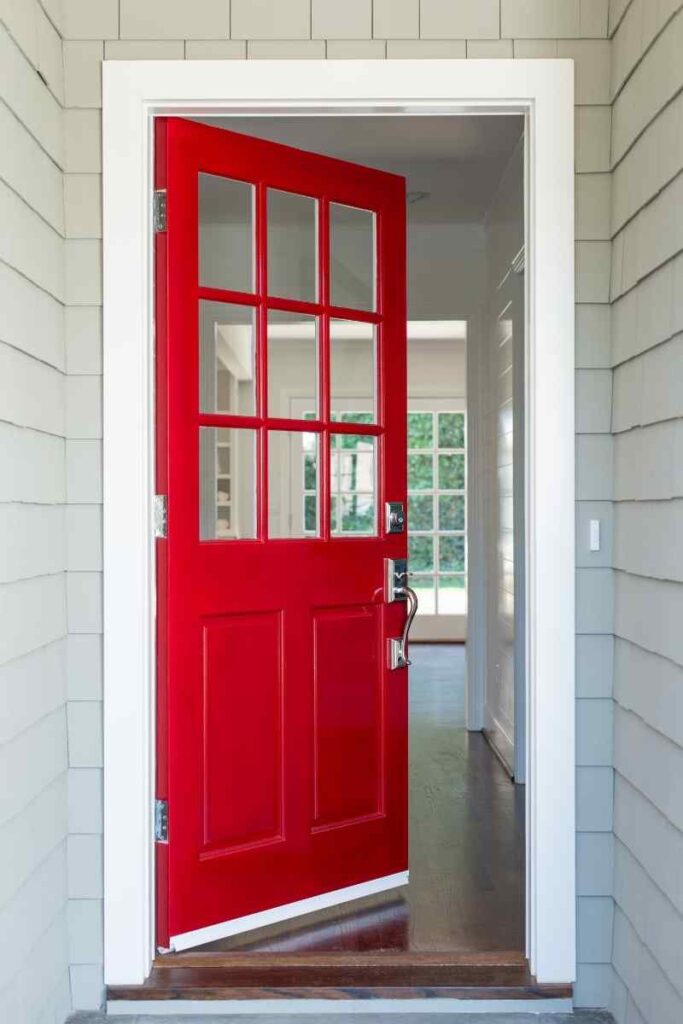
x: 647, y: 422
x: 34, y: 976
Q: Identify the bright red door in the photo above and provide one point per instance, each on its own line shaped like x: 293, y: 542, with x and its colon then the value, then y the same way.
x: 281, y: 408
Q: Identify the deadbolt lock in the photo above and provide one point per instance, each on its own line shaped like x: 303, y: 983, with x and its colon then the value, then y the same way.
x: 395, y: 517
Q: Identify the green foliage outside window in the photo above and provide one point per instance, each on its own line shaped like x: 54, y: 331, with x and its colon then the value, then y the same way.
x: 452, y: 554
x: 451, y: 512
x: 421, y: 553
x: 420, y: 472
x: 451, y: 472
x: 420, y: 430
x: 421, y: 511
x: 451, y: 430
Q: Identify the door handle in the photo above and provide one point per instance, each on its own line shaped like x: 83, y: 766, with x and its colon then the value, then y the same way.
x: 398, y: 646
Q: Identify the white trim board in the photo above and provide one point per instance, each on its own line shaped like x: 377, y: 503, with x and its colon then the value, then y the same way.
x: 290, y: 910
x: 133, y: 92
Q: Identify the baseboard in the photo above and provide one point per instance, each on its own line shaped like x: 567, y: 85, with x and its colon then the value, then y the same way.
x: 500, y: 743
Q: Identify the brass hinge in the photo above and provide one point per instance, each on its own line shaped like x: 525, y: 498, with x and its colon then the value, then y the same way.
x: 161, y: 821
x: 159, y: 209
x: 160, y: 515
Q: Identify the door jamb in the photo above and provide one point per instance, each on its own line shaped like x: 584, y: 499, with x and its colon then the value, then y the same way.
x: 135, y: 92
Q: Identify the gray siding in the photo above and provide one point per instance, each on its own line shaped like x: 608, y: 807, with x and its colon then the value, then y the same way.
x: 647, y: 423
x: 34, y: 976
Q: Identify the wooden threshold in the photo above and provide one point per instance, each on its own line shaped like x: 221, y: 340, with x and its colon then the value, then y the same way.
x: 390, y: 975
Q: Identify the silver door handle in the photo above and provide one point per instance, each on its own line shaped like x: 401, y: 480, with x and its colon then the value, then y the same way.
x: 398, y: 646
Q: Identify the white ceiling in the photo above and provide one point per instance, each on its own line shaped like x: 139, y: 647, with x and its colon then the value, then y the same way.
x: 457, y: 160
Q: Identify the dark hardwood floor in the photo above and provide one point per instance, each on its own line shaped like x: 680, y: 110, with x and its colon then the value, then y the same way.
x: 457, y: 930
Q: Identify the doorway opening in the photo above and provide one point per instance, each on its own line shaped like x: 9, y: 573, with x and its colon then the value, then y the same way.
x: 133, y: 95
x: 465, y: 492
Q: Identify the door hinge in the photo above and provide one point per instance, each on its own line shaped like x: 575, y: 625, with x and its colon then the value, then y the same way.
x: 161, y: 821
x: 160, y: 515
x: 159, y: 209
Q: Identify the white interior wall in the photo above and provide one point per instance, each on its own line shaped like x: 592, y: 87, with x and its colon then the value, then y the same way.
x: 139, y: 29
x: 445, y: 270
x: 502, y: 398
x: 647, y: 424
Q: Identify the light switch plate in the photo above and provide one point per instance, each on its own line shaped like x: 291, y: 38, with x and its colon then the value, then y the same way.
x: 594, y: 531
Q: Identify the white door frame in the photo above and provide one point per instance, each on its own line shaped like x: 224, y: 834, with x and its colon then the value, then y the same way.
x: 133, y: 92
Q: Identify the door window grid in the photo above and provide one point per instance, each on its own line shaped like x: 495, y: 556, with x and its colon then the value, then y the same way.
x: 354, y: 457
x: 437, y: 500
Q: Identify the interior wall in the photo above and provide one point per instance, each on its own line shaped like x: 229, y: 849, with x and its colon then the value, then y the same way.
x: 502, y: 401
x: 286, y: 29
x: 647, y: 424
x: 35, y: 523
x: 445, y: 270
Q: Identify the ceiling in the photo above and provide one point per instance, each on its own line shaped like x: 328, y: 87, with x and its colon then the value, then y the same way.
x: 458, y: 161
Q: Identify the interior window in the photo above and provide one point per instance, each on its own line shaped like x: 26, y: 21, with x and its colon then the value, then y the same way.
x: 437, y: 501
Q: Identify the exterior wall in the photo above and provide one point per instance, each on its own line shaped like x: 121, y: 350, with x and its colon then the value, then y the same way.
x: 647, y: 422
x: 34, y: 927
x: 139, y: 29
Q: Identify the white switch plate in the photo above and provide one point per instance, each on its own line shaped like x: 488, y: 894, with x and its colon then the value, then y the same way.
x: 594, y: 531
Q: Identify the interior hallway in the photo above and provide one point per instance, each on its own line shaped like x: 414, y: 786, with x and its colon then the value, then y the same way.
x: 466, y: 890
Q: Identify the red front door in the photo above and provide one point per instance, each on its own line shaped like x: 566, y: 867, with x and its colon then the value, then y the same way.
x: 281, y: 408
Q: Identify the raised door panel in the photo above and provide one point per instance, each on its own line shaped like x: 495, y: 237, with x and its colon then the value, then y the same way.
x: 242, y: 729
x: 347, y: 715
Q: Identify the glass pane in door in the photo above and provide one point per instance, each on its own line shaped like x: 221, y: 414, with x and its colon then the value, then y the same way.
x: 226, y: 233
x: 227, y: 340
x: 353, y: 484
x: 293, y: 500
x: 353, y: 370
x: 292, y: 246
x: 292, y: 364
x: 227, y: 483
x: 352, y: 270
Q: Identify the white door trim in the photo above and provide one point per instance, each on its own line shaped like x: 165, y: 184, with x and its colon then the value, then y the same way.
x: 133, y: 93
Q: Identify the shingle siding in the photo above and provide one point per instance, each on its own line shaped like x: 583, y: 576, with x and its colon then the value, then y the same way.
x: 34, y: 980
x: 647, y: 321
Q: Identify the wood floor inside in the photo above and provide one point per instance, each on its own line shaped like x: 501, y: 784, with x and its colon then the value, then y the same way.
x: 457, y: 928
